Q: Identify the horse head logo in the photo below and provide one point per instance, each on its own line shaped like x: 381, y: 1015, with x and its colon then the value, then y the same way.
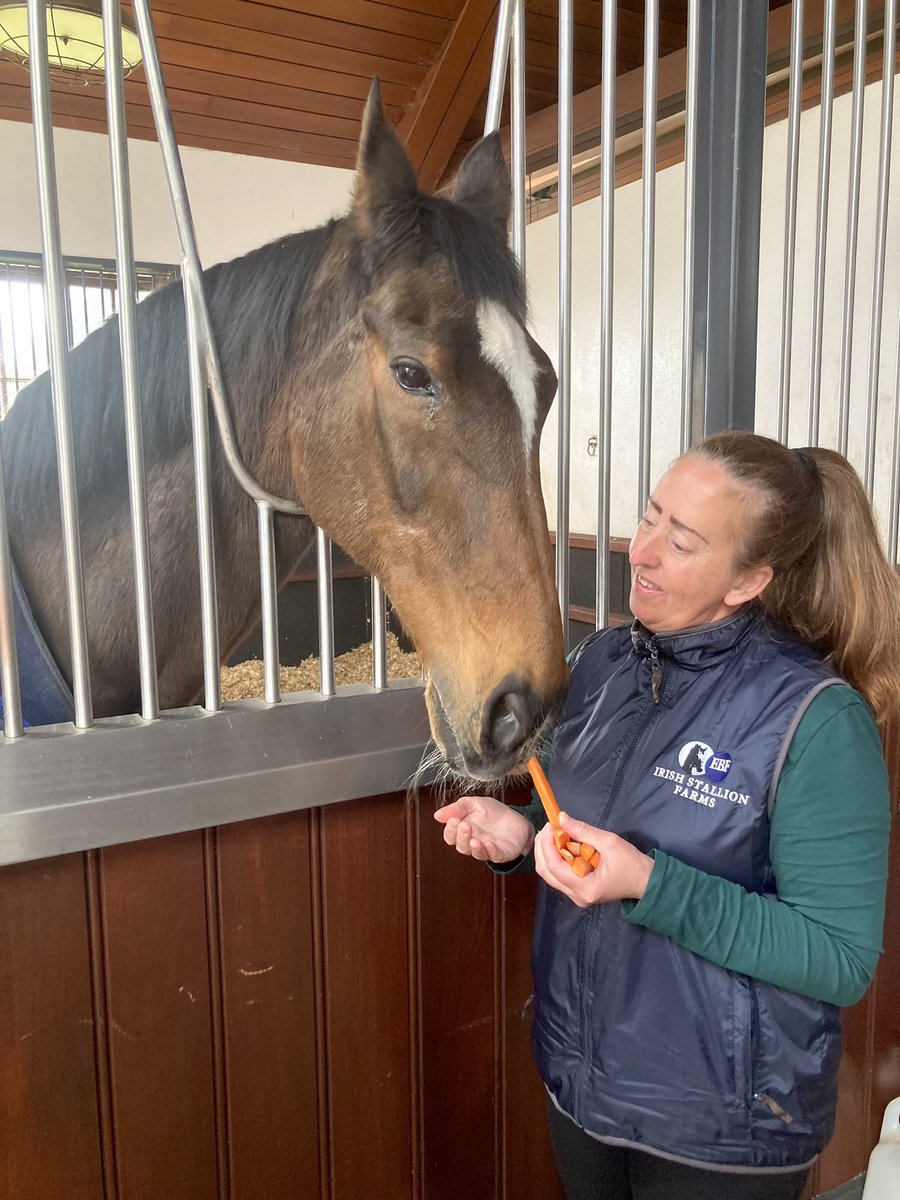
x: 693, y: 757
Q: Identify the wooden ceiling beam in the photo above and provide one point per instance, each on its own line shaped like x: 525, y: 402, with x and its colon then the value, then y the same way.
x: 542, y: 128
x: 435, y: 121
x: 671, y: 149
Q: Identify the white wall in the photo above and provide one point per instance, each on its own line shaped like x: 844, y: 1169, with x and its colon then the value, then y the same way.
x: 541, y: 262
x: 238, y: 201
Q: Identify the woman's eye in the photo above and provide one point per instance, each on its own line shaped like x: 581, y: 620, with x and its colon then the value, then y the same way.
x: 676, y: 546
x: 412, y: 376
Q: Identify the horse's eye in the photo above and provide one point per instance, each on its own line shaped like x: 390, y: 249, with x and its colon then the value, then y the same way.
x: 412, y: 376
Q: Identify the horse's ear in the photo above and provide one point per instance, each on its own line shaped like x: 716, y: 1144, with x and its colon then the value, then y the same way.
x: 483, y: 181
x: 384, y: 174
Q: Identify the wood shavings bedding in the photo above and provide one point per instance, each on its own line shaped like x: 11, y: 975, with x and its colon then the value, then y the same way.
x: 245, y: 681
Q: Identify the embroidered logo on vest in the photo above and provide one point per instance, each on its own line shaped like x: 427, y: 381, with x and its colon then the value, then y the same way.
x: 693, y: 755
x: 702, y: 770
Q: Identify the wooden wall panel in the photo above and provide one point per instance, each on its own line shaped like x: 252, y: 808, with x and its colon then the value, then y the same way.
x: 528, y: 1159
x: 269, y: 1003
x: 319, y: 1006
x: 458, y: 996
x: 165, y: 1101
x: 885, y: 1074
x: 367, y: 1002
x: 848, y: 1146
x: 48, y: 1106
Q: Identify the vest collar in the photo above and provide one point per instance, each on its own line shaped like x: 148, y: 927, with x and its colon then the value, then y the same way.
x: 701, y: 646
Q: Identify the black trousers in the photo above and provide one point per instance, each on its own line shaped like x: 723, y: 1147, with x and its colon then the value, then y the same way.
x: 591, y: 1170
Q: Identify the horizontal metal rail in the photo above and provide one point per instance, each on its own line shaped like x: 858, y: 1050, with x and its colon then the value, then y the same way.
x: 63, y: 791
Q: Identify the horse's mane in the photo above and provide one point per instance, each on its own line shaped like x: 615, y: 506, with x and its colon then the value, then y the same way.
x: 262, y: 304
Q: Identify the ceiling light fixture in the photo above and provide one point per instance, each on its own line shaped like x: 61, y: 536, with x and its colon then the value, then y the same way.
x: 74, y: 40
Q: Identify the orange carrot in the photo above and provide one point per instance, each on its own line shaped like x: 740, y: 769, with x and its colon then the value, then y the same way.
x: 579, y: 855
x: 542, y: 785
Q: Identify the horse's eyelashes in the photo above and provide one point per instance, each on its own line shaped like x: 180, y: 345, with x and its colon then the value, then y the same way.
x: 413, y: 376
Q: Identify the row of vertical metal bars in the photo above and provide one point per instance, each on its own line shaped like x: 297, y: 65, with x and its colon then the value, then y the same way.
x: 20, y: 364
x: 205, y: 372
x: 607, y: 219
x: 206, y: 381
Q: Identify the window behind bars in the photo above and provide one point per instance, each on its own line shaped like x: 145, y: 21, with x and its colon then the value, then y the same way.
x: 91, y: 297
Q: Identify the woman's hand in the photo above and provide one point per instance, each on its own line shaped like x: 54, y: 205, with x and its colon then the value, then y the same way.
x: 486, y: 829
x: 622, y: 873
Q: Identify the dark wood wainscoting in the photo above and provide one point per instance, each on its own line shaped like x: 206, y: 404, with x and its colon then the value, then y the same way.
x: 322, y: 1005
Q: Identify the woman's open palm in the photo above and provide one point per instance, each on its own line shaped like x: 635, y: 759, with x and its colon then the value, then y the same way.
x: 484, y: 828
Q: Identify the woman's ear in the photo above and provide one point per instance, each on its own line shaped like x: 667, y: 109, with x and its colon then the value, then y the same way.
x: 749, y: 585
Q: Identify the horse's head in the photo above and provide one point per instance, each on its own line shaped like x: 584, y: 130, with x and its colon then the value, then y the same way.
x: 421, y: 456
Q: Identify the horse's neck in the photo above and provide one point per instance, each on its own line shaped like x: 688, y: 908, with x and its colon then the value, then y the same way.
x: 108, y: 572
x: 260, y: 362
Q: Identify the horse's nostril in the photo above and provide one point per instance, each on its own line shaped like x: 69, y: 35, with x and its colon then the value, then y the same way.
x: 512, y: 719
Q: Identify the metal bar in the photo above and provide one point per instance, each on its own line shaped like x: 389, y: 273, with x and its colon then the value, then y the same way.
x: 517, y: 121
x: 59, y: 364
x: 648, y: 243
x: 13, y: 724
x: 102, y: 296
x: 326, y: 613
x: 379, y: 635
x: 84, y: 306
x: 498, y: 66
x: 607, y: 274
x: 884, y: 182
x: 12, y: 325
x: 4, y: 390
x: 118, y: 151
x: 690, y: 194
x: 826, y: 119
x: 265, y: 515
x: 205, y: 535
x: 795, y: 101
x: 856, y: 135
x: 728, y: 172
x: 564, y: 206
x: 191, y: 261
x: 894, y: 519
x: 34, y: 361
x: 61, y: 793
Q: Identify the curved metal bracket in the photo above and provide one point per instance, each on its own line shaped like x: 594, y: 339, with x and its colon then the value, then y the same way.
x: 190, y: 265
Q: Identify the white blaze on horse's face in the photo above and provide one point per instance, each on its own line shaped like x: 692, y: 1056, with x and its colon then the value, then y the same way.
x: 504, y: 346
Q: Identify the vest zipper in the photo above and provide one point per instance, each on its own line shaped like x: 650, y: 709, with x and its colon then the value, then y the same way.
x: 656, y: 671
x: 595, y: 914
x: 774, y: 1107
x: 754, y: 1035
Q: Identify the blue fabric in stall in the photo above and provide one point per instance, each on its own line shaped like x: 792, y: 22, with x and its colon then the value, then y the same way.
x: 46, y: 697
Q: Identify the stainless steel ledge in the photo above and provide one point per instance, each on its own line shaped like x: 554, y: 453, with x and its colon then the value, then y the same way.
x: 63, y: 789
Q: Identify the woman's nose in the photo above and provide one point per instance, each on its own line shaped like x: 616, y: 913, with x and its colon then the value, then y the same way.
x: 643, y: 549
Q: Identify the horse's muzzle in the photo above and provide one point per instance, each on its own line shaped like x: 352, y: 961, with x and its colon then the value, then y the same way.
x: 512, y: 719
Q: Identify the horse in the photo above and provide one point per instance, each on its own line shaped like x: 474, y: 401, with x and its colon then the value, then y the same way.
x: 379, y: 370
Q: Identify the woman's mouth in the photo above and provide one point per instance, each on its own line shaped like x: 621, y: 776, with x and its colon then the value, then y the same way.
x: 645, y: 587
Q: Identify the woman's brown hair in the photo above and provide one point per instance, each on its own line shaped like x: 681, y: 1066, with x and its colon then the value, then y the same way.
x: 812, y: 523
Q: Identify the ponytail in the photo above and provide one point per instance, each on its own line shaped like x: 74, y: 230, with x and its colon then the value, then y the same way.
x: 809, y: 519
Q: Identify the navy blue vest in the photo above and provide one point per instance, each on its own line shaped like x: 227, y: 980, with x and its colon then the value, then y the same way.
x: 675, y: 741
x: 46, y: 697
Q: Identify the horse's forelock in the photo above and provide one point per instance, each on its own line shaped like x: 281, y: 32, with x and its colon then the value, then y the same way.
x: 470, y: 244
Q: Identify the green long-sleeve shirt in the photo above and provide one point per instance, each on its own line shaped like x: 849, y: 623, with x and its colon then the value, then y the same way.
x: 828, y: 846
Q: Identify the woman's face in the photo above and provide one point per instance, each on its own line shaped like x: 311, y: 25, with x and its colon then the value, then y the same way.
x: 683, y: 551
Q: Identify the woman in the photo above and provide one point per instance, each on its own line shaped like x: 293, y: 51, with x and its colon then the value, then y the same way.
x: 722, y: 755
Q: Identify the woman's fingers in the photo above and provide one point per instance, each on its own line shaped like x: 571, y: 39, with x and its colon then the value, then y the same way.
x: 465, y: 838
x: 484, y: 828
